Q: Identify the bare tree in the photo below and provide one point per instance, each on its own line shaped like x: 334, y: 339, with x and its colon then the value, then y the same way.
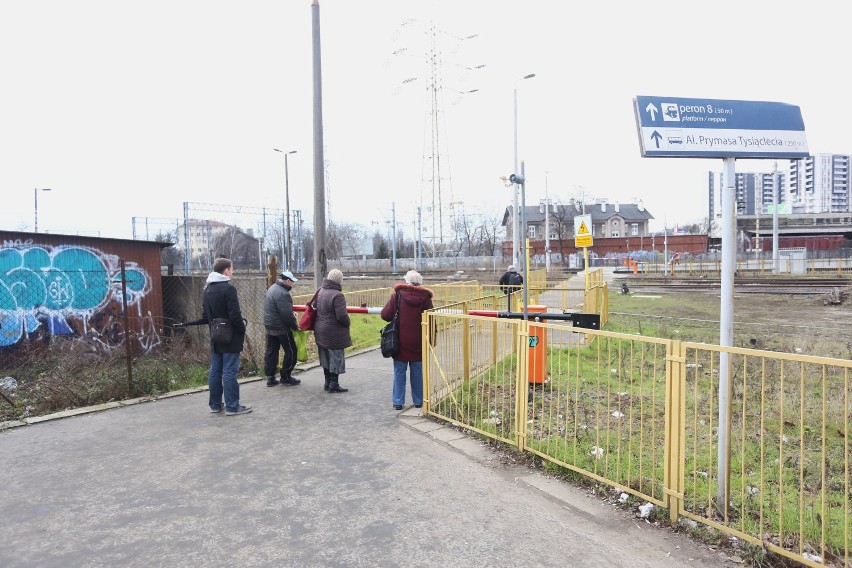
x: 343, y: 237
x: 171, y: 254
x: 463, y: 228
x: 562, y: 225
x: 492, y: 232
x: 241, y: 248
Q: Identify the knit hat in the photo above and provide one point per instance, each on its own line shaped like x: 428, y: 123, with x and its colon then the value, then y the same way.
x: 414, y: 278
x: 335, y: 276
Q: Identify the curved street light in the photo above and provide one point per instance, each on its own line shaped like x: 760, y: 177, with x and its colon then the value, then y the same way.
x: 515, y: 228
x: 287, y: 202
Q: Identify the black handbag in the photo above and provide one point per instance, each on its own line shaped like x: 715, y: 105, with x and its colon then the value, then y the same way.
x: 390, y: 334
x: 221, y: 330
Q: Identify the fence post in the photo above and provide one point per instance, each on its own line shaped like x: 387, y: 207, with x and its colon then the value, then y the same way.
x: 522, y: 386
x: 128, y: 355
x: 675, y: 447
x: 426, y: 321
x: 466, y: 344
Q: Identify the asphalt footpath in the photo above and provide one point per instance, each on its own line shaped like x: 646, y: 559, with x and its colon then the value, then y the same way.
x: 307, y: 479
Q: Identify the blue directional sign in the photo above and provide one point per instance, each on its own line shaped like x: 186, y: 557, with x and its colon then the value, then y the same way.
x: 707, y: 128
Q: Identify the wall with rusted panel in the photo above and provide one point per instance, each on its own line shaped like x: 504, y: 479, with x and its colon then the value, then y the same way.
x: 71, y: 286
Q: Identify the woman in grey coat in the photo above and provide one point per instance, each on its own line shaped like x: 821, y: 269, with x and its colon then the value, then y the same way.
x: 331, y: 330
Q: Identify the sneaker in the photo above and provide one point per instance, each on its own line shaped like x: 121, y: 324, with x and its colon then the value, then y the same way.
x: 418, y: 406
x: 290, y: 381
x: 271, y: 381
x: 217, y: 410
x: 397, y: 407
x: 239, y: 410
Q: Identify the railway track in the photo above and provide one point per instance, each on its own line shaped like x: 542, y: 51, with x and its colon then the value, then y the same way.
x: 742, y: 285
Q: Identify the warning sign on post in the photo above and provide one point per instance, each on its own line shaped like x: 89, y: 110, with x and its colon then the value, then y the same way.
x: 583, y: 231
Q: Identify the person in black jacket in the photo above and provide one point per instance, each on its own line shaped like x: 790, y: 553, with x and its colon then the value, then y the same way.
x: 510, y: 283
x: 219, y: 300
x: 280, y: 323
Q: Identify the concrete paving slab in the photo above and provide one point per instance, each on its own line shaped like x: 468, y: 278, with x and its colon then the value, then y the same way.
x: 424, y: 425
x: 447, y: 434
x: 308, y: 479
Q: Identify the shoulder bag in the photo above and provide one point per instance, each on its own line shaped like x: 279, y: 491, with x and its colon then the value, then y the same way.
x: 221, y: 330
x: 306, y: 322
x: 390, y: 334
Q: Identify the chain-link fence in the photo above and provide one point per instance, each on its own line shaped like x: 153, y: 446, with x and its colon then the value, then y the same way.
x: 76, y: 337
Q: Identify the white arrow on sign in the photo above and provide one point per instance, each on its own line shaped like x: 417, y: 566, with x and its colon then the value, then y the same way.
x: 653, y: 110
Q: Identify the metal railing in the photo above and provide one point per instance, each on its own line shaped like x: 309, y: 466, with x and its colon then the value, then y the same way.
x: 761, y: 266
x: 642, y: 414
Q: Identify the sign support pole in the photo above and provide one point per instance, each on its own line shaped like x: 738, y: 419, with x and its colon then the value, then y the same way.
x: 726, y: 327
x: 670, y: 127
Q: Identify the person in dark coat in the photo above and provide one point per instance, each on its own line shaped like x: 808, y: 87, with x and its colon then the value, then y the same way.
x: 280, y: 323
x: 414, y: 299
x: 510, y: 280
x: 331, y: 330
x: 510, y: 283
x: 219, y: 300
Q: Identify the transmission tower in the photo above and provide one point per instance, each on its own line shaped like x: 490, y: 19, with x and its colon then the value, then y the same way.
x: 436, y: 189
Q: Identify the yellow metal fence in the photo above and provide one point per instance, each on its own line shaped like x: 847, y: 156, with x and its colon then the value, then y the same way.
x: 758, y: 266
x: 642, y: 414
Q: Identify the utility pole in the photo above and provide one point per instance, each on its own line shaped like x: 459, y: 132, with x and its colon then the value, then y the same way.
x: 299, y: 262
x: 759, y: 206
x: 186, y: 237
x: 419, y: 262
x: 393, y: 237
x: 776, y: 198
x: 546, y: 227
x: 320, y: 260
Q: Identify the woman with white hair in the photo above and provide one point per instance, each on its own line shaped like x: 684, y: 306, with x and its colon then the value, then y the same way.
x: 331, y: 329
x: 413, y: 300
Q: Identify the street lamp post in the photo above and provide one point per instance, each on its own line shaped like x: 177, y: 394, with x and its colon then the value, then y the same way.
x: 35, y: 208
x: 546, y: 227
x: 515, y: 236
x: 300, y: 253
x: 287, y: 203
x: 521, y: 181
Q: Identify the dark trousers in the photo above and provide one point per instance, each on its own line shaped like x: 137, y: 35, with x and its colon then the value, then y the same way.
x: 270, y: 359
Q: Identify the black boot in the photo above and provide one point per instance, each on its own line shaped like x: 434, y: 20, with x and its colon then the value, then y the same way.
x: 327, y: 379
x: 333, y: 385
x: 271, y: 381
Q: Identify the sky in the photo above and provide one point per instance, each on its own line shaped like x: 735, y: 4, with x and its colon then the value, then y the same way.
x: 128, y: 110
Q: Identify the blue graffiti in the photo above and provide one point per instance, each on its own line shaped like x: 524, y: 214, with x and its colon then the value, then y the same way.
x: 41, y: 287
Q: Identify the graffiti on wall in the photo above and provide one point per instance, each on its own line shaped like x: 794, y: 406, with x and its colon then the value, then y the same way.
x: 53, y: 290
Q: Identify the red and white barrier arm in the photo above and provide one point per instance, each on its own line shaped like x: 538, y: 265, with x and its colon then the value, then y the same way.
x: 349, y: 309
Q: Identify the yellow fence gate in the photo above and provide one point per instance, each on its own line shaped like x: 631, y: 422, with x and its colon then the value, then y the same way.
x: 642, y: 415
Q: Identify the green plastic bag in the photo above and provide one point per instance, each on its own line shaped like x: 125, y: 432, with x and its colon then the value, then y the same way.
x: 301, y: 338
